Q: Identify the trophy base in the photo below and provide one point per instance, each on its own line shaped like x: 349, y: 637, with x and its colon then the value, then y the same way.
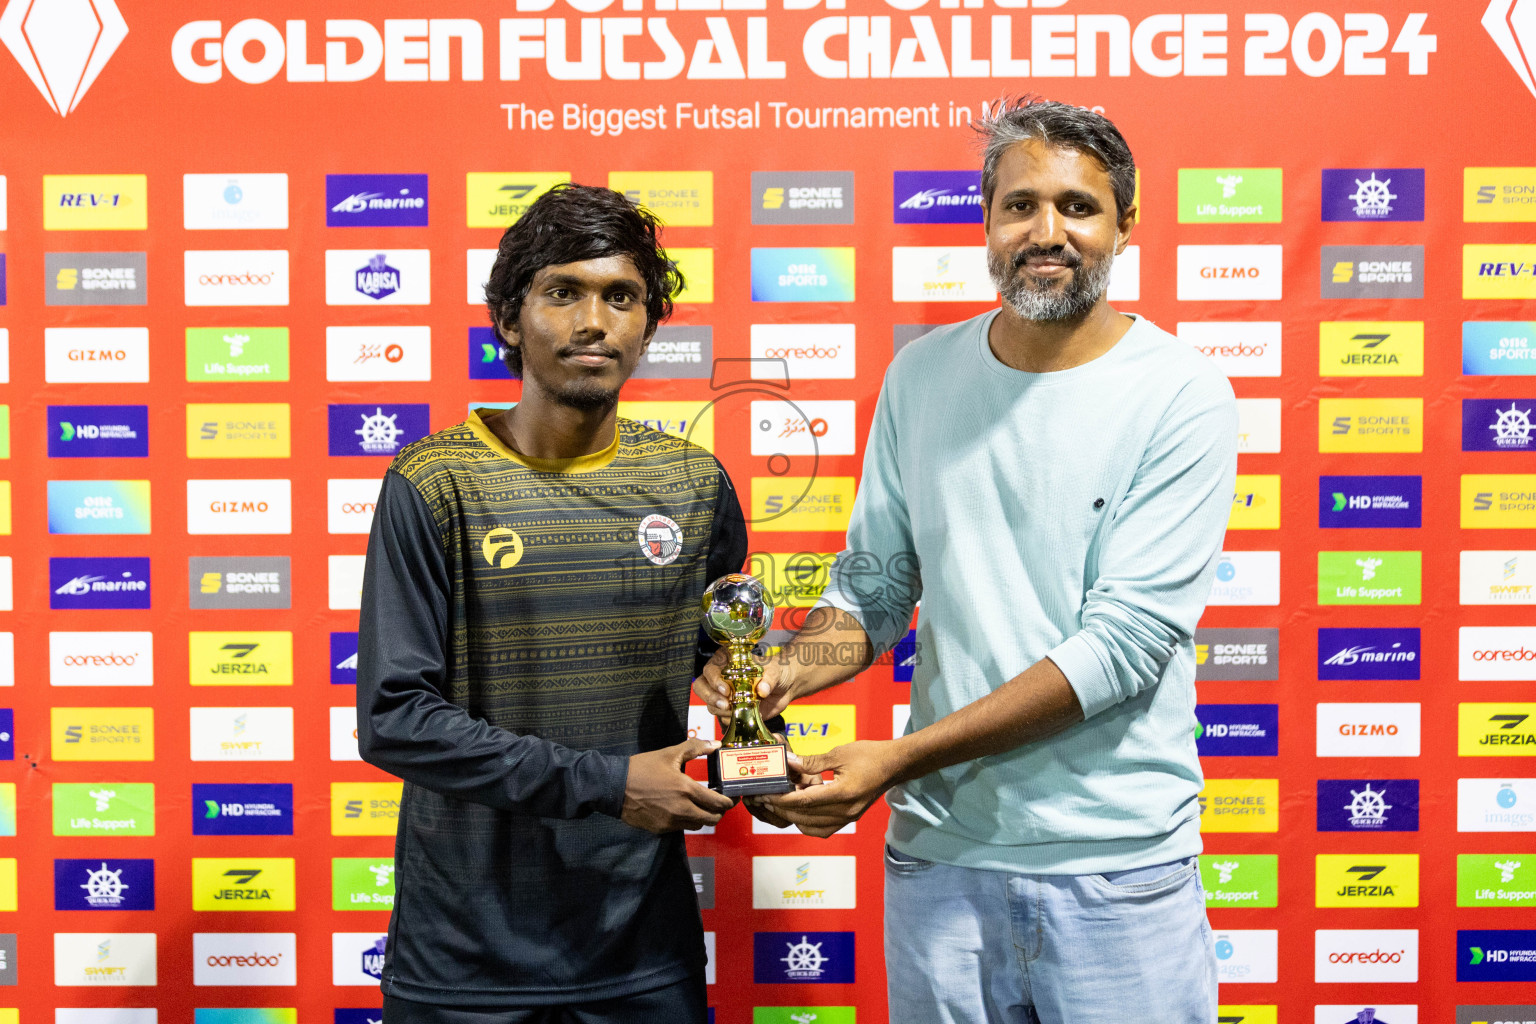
x: 750, y: 771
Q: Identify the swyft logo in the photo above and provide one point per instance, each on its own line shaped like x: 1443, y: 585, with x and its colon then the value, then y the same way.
x: 63, y: 45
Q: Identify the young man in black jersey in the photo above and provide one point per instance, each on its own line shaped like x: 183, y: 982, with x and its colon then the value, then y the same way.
x: 529, y: 633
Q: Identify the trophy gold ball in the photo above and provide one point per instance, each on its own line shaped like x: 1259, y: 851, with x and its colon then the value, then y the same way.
x: 737, y: 614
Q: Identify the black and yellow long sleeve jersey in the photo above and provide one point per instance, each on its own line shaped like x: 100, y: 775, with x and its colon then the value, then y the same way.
x: 526, y: 626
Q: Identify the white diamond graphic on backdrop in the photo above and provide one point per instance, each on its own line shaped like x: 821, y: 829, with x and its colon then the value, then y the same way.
x: 62, y: 45
x: 1512, y: 24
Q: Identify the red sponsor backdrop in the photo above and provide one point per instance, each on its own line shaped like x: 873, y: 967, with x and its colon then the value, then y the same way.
x: 1445, y: 107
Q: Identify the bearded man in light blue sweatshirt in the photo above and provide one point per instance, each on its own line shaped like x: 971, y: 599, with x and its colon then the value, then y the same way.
x: 1053, y: 480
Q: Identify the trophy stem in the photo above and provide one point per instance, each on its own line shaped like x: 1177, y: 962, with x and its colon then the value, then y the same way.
x: 747, y: 728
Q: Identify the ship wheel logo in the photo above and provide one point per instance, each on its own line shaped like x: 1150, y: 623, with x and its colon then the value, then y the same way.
x: 804, y: 959
x: 105, y: 886
x: 1368, y: 807
x: 1373, y: 198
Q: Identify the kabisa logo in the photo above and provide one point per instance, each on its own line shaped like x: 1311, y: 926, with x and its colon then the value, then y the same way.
x: 1488, y: 426
x: 104, y: 885
x: 1509, y: 24
x: 60, y: 47
x: 242, y: 809
x: 378, y: 280
x: 1486, y: 955
x: 375, y: 430
x: 1237, y: 730
x: 1367, y: 805
x: 1373, y: 653
x: 372, y: 963
x: 1349, y: 502
x: 1373, y: 194
x: 802, y: 957
x: 367, y: 277
x: 937, y: 197
x: 1498, y: 347
x: 98, y: 431
x: 343, y: 659
x: 802, y: 197
x: 375, y: 200
x: 98, y: 583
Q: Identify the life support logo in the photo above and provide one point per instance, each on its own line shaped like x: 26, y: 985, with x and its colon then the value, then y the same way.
x: 661, y: 540
x: 503, y: 548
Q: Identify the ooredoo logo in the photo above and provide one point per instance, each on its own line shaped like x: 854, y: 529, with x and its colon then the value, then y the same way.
x: 1366, y: 955
x: 61, y: 47
x: 1240, y: 349
x: 243, y: 958
x: 808, y: 351
x: 100, y: 659
x: 236, y: 277
x: 1496, y: 652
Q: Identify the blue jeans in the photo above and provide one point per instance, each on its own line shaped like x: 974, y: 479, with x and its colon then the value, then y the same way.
x: 966, y: 946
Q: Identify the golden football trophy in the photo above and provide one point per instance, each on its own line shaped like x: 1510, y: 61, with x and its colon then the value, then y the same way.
x: 750, y: 762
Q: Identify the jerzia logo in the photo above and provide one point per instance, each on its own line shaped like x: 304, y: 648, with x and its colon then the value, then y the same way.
x: 61, y: 47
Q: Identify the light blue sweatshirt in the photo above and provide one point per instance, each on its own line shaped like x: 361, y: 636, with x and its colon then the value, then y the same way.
x: 1075, y: 515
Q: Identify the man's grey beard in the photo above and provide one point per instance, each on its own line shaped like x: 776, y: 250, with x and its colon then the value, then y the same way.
x: 1035, y: 298
x: 583, y: 395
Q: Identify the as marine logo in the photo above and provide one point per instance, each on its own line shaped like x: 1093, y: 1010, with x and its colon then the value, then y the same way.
x: 502, y: 548
x: 661, y: 539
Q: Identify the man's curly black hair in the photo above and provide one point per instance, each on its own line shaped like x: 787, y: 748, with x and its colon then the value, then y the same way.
x: 568, y: 224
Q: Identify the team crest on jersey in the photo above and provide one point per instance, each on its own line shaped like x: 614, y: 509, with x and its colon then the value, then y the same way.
x: 661, y: 540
